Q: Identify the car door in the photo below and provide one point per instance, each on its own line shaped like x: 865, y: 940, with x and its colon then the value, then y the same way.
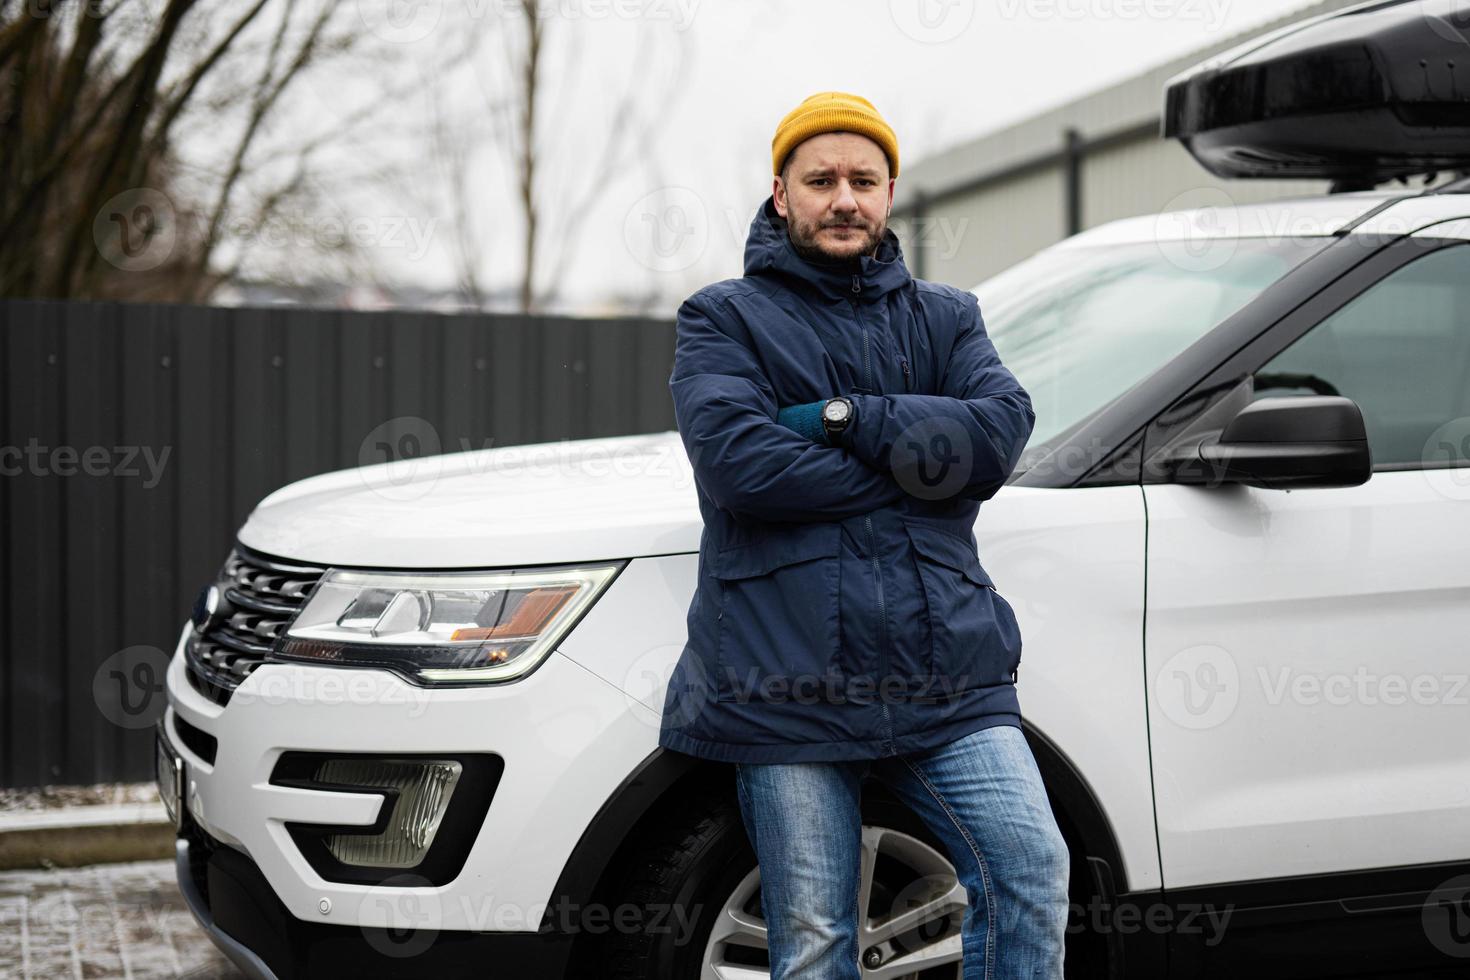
x: 1307, y: 651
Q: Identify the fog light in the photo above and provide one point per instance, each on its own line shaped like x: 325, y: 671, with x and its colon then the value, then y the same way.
x: 421, y: 788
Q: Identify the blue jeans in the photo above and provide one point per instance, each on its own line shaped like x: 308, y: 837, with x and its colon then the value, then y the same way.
x: 981, y: 795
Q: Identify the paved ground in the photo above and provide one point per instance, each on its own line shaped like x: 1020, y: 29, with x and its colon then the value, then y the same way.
x: 118, y: 920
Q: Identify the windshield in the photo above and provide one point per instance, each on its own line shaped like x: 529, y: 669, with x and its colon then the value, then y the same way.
x: 1079, y: 326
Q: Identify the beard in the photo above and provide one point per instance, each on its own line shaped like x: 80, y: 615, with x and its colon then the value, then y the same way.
x: 803, y: 236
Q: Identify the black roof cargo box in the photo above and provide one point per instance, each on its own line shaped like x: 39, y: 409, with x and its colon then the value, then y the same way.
x: 1372, y: 92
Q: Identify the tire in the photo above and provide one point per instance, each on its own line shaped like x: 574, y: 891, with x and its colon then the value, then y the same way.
x: 696, y: 855
x: 689, y: 858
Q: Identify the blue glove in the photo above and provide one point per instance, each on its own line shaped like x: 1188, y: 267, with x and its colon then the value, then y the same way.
x: 805, y: 420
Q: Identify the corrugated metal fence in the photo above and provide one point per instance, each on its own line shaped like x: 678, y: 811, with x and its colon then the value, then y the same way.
x: 134, y: 440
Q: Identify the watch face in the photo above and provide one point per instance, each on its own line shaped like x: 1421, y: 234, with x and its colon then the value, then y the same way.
x: 835, y: 411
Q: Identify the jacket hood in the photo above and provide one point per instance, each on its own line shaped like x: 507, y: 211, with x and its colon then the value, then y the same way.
x: 768, y: 249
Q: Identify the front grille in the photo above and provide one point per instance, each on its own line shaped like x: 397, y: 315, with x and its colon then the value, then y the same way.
x: 259, y: 596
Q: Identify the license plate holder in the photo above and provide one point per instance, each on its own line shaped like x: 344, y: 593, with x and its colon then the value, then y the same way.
x: 169, y: 774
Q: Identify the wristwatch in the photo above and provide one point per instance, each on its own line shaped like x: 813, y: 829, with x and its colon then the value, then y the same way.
x: 837, y: 415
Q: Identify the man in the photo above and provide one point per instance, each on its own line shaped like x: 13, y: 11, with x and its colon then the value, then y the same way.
x: 845, y: 421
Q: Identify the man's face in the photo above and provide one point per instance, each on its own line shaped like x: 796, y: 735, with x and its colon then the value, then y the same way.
x: 836, y: 195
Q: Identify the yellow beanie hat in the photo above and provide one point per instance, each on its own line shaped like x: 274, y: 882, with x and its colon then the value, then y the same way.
x: 828, y: 112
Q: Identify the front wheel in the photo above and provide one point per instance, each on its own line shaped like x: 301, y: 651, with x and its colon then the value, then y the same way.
x: 694, y: 870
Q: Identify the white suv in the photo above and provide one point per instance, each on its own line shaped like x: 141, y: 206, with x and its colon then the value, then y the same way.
x: 1244, y: 675
x: 412, y: 728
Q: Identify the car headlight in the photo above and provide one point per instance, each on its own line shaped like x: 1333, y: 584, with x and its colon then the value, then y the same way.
x: 443, y: 627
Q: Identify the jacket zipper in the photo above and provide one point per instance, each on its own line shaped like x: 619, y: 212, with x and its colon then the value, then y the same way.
x: 883, y: 618
x: 868, y: 520
x: 904, y: 363
x: 857, y: 287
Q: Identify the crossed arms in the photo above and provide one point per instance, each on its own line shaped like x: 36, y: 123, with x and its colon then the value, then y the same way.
x: 752, y: 465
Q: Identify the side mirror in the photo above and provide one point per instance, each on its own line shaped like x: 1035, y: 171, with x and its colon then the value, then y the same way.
x: 1282, y: 443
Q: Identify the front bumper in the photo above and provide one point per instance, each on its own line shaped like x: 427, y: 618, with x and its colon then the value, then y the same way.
x: 567, y: 739
x: 236, y: 908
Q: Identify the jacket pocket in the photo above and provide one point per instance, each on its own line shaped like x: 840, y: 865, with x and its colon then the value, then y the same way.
x: 973, y: 637
x: 779, y: 614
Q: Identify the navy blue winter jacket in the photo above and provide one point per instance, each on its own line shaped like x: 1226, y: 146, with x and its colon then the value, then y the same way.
x: 841, y: 611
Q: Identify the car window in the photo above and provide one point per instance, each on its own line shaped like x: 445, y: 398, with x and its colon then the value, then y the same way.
x: 1079, y: 326
x: 1401, y: 350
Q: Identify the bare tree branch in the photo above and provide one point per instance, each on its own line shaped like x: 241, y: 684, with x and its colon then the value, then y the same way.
x: 624, y: 139
x: 15, y: 35
x: 74, y: 260
x: 267, y: 94
x: 89, y: 35
x: 452, y: 156
x: 187, y: 87
x: 530, y: 94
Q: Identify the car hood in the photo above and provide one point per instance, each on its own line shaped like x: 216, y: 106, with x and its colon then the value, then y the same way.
x: 573, y: 500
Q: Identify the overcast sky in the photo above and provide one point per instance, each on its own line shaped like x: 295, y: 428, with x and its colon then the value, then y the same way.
x: 715, y: 76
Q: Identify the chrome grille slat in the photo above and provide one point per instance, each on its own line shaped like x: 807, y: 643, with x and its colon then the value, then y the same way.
x: 239, y: 644
x: 245, y: 600
x: 260, y: 598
